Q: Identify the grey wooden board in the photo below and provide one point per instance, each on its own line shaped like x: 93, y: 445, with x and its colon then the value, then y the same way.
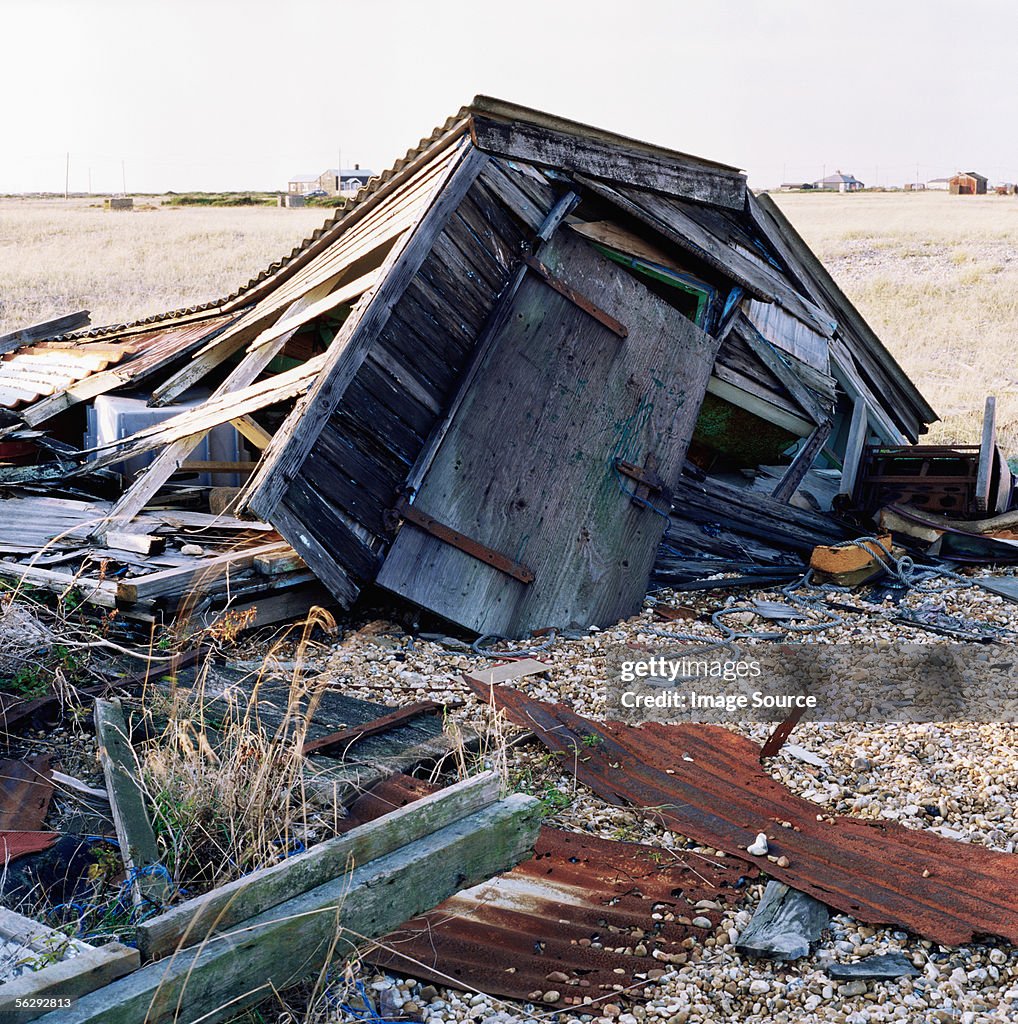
x: 337, y: 779
x: 1005, y: 586
x: 785, y: 924
x: 277, y: 948
x: 887, y: 965
x: 527, y: 468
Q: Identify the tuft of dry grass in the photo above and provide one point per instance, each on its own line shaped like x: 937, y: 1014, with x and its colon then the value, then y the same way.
x: 57, y: 256
x: 936, y: 276
x: 227, y: 788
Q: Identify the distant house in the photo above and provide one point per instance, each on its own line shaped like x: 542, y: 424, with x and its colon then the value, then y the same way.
x: 345, y: 182
x: 915, y: 186
x: 796, y: 186
x: 939, y: 184
x: 968, y: 183
x: 838, y: 182
x: 302, y: 184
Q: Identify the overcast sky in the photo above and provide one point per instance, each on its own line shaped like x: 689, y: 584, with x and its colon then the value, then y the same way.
x: 237, y: 94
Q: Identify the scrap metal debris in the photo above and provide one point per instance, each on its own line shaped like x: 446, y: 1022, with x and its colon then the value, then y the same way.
x: 706, y: 782
x: 583, y: 917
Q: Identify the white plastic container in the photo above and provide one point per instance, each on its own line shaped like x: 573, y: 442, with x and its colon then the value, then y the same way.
x: 114, y: 417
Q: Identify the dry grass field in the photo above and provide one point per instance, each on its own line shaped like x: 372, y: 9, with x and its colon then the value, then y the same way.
x: 57, y: 256
x: 936, y: 275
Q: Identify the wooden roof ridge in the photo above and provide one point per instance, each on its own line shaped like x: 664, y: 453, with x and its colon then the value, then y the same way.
x: 505, y: 110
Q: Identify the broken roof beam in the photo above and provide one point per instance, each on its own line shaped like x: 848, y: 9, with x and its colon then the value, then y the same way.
x: 531, y: 135
x: 302, y: 311
x: 214, y: 981
x: 47, y: 329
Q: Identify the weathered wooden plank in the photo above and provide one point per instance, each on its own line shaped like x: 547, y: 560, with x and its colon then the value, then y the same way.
x: 98, y: 592
x: 351, y: 345
x: 293, y: 940
x: 858, y: 430
x: 47, y: 329
x: 786, y: 923
x: 192, y: 922
x: 314, y: 552
x: 804, y: 459
x: 987, y: 454
x: 612, y: 159
x: 127, y: 803
x: 82, y: 969
x: 201, y: 570
x: 785, y: 371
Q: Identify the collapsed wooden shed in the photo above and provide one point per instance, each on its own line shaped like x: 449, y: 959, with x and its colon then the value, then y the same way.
x: 507, y: 353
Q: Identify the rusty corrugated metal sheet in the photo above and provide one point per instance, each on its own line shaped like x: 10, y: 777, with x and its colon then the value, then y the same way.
x: 49, y: 368
x: 584, y: 917
x: 26, y: 788
x: 706, y: 782
x: 19, y: 844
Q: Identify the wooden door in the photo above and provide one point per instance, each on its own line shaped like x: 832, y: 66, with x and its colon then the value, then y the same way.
x: 529, y: 468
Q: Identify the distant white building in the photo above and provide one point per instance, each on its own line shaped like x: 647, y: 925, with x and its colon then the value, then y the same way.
x: 940, y: 184
x: 838, y: 182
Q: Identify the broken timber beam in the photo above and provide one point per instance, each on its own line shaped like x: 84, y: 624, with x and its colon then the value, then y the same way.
x: 786, y: 923
x: 347, y: 736
x: 803, y: 461
x: 214, y: 981
x: 127, y: 802
x: 987, y: 454
x: 63, y: 967
x: 193, y: 922
x: 47, y: 329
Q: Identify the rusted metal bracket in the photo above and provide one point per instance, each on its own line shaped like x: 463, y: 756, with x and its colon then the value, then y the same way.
x: 472, y: 547
x: 575, y: 297
x: 648, y: 483
x: 346, y: 737
x: 781, y: 732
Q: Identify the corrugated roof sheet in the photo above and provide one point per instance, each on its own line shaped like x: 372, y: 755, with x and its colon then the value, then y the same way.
x: 48, y: 368
x: 584, y: 917
x: 706, y: 782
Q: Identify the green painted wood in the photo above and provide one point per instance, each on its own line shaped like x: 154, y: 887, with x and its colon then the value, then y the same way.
x: 193, y: 922
x: 127, y: 801
x: 558, y: 389
x: 215, y: 981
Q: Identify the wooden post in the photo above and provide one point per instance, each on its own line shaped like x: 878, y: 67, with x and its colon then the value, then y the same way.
x: 802, y: 463
x: 134, y: 831
x: 854, y: 449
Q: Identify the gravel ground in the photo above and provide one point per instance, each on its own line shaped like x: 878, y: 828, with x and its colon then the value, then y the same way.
x: 960, y: 780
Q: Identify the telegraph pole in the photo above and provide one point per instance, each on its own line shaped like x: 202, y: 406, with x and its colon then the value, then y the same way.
x: 67, y: 175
